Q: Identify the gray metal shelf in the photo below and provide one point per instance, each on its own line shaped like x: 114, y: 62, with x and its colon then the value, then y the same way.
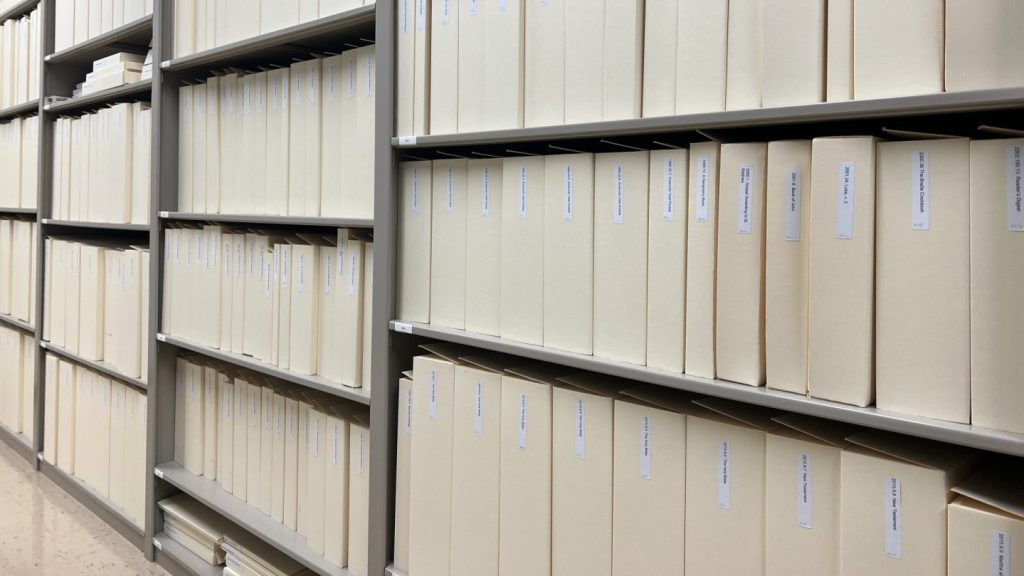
x: 248, y: 517
x: 315, y: 382
x: 10, y: 211
x: 101, y: 98
x: 27, y: 108
x: 392, y: 571
x: 19, y: 9
x: 132, y: 37
x: 12, y: 322
x: 305, y: 221
x: 49, y: 222
x: 951, y: 432
x: 115, y: 517
x: 101, y: 367
x: 180, y: 561
x: 18, y: 442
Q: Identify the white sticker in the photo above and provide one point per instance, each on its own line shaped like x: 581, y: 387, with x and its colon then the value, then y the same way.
x: 403, y: 327
x: 408, y: 412
x: 793, y: 204
x: 581, y: 429
x: 921, y: 196
x: 567, y: 193
x: 328, y: 258
x: 444, y: 12
x: 302, y: 273
x: 1015, y: 188
x: 478, y: 410
x: 334, y: 444
x: 285, y: 267
x: 745, y: 204
x: 893, y: 518
x: 619, y: 199
x: 502, y: 5
x: 999, y: 558
x: 844, y: 200
x: 403, y: 17
x: 414, y: 200
x: 668, y: 191
x: 370, y: 61
x: 352, y: 276
x: 433, y: 395
x: 421, y: 15
x: 362, y: 453
x: 702, y: 188
x: 645, y: 447
x: 522, y: 421
x: 450, y: 191
x: 521, y: 202
x: 804, y: 505
x: 724, y: 475
x: 485, y: 197
x: 472, y: 7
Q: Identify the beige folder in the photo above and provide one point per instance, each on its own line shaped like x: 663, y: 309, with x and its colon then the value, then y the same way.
x: 448, y: 243
x: 195, y: 403
x: 504, y: 69
x: 302, y: 468
x: 744, y: 54
x: 986, y: 524
x: 231, y: 131
x: 897, y: 48
x: 93, y: 276
x: 405, y: 58
x: 253, y: 419
x: 419, y: 22
x: 544, y: 63
x: 328, y: 332
x: 839, y: 51
x: 360, y: 198
x: 666, y: 259
x: 278, y: 141
x: 310, y: 131
x: 298, y: 160
x: 793, y: 58
x: 701, y: 239
x: 211, y: 413
x: 483, y: 254
x: 238, y: 298
x: 316, y: 474
x: 350, y: 315
x: 366, y: 343
x: 198, y: 148
x: 284, y: 291
x: 414, y: 242
x: 100, y: 451
x: 522, y: 250
x: 66, y: 417
x: 213, y: 152
x: 185, y: 148
x: 304, y: 309
x: 51, y: 409
x: 333, y: 136
x: 702, y: 48
x: 277, y: 14
x: 444, y: 69
x: 116, y: 445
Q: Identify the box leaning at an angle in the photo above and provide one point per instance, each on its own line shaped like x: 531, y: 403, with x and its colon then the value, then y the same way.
x: 701, y: 241
x: 483, y: 253
x: 448, y: 243
x: 922, y: 285
x: 897, y: 48
x: 414, y: 242
x: 666, y: 259
x: 842, y: 265
x: 894, y: 495
x: 986, y: 523
x: 522, y: 250
x: 983, y: 44
x: 997, y: 281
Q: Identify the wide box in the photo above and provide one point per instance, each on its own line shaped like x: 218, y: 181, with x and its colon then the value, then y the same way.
x: 897, y: 48
x: 984, y: 46
x: 703, y: 29
x: 793, y: 65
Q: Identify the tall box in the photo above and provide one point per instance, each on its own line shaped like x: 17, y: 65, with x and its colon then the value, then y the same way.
x: 522, y: 250
x: 997, y: 246
x: 584, y: 60
x: 744, y: 55
x: 503, y: 70
x: 623, y: 59
x: 569, y: 252
x: 483, y: 254
x: 983, y: 44
x: 739, y: 300
x: 666, y: 259
x: 986, y: 523
x: 839, y: 51
x: 448, y: 242
x: 661, y: 35
x: 472, y: 39
x: 701, y: 240
x: 544, y: 66
x: 841, y: 285
x: 620, y: 256
x: 444, y: 69
x: 897, y: 48
x: 414, y: 242
x: 703, y: 32
x: 402, y: 463
x: 793, y: 64
x: 787, y: 250
x: 923, y: 284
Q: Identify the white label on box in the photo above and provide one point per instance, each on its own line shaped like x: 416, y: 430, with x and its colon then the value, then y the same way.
x: 521, y: 200
x: 485, y: 195
x: 450, y: 191
x: 478, y: 410
x: 302, y: 273
x: 999, y: 558
x: 567, y: 196
x: 844, y: 200
x: 403, y: 327
x: 408, y: 412
x: 334, y: 444
x: 370, y: 60
x: 351, y: 76
x: 352, y: 276
x: 645, y: 447
x: 502, y: 5
x: 724, y: 475
x: 921, y: 197
x: 403, y: 18
x: 433, y: 395
x: 472, y: 7
x: 702, y: 188
x: 313, y: 83
x: 668, y: 191
x: 793, y: 205
x: 362, y: 453
x: 285, y: 269
x: 581, y: 429
x: 421, y: 15
x: 745, y: 206
x: 316, y: 438
x: 893, y: 518
x: 619, y: 200
x: 414, y: 193
x: 238, y: 258
x: 1015, y: 189
x: 327, y: 276
x: 522, y: 420
x: 804, y: 506
x: 444, y: 11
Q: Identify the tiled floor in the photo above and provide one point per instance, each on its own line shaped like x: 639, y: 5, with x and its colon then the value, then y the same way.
x: 44, y: 531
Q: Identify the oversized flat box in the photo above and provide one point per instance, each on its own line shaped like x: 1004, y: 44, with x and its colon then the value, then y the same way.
x: 701, y: 239
x: 402, y: 462
x: 661, y: 36
x: 277, y: 459
x: 569, y: 252
x: 787, y: 248
x: 225, y: 433
x: 897, y: 49
x: 476, y: 445
x: 448, y: 243
x: 444, y: 69
x: 414, y: 242
x: 895, y: 491
x: 986, y: 525
x: 997, y: 243
x: 702, y: 53
x: 744, y: 55
x: 544, y: 65
x: 802, y: 495
x: 739, y: 300
x: 923, y: 284
x: 483, y: 254
x: 278, y: 14
x: 51, y: 409
x: 291, y: 462
x: 524, y: 517
x: 584, y: 69
x: 725, y: 488
x: 240, y: 449
x: 793, y: 62
x: 840, y: 314
x: 66, y: 412
x: 666, y: 259
x: 504, y: 66
x: 472, y: 38
x: 522, y: 250
x: 359, y: 496
x: 430, y: 468
x: 336, y: 443
x: 983, y: 45
x: 620, y: 256
x: 315, y: 477
x: 623, y: 59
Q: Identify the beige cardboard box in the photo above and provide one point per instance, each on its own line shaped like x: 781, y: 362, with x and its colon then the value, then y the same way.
x: 703, y: 32
x: 794, y: 52
x: 544, y: 65
x: 661, y: 36
x: 620, y: 256
x: 476, y: 449
x: 503, y: 69
x: 448, y: 244
x: 240, y: 452
x: 405, y: 61
x: 336, y: 482
x: 623, y: 59
x: 421, y: 66
x: 414, y: 242
x: 897, y: 48
x: 923, y: 285
x: 701, y: 241
x: 894, y: 495
x: 291, y: 462
x: 787, y: 249
x: 402, y: 463
x: 983, y: 44
x: 839, y: 51
x: 986, y: 524
x: 211, y: 413
x: 472, y: 39
x: 483, y: 253
x: 522, y: 250
x: 997, y: 247
x: 569, y: 252
x: 666, y: 259
x: 842, y: 266
x: 66, y: 417
x: 584, y: 70
x: 225, y: 433
x: 744, y: 58
x: 725, y: 488
x: 739, y: 300
x: 359, y: 495
x: 51, y: 409
x: 444, y: 69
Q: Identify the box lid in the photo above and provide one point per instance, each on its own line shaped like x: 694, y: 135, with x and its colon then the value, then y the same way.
x: 598, y: 384
x: 666, y: 399
x: 926, y: 453
x: 447, y: 351
x: 491, y: 362
x: 827, y: 431
x: 999, y: 484
x: 540, y: 373
x: 750, y: 415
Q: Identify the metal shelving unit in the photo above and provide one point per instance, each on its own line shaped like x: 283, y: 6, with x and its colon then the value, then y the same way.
x: 28, y: 108
x: 19, y: 9
x: 126, y: 93
x: 55, y: 225
x: 290, y: 221
x: 180, y: 561
x: 95, y: 502
x: 18, y: 442
x: 101, y: 367
x: 12, y: 322
x: 133, y: 36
